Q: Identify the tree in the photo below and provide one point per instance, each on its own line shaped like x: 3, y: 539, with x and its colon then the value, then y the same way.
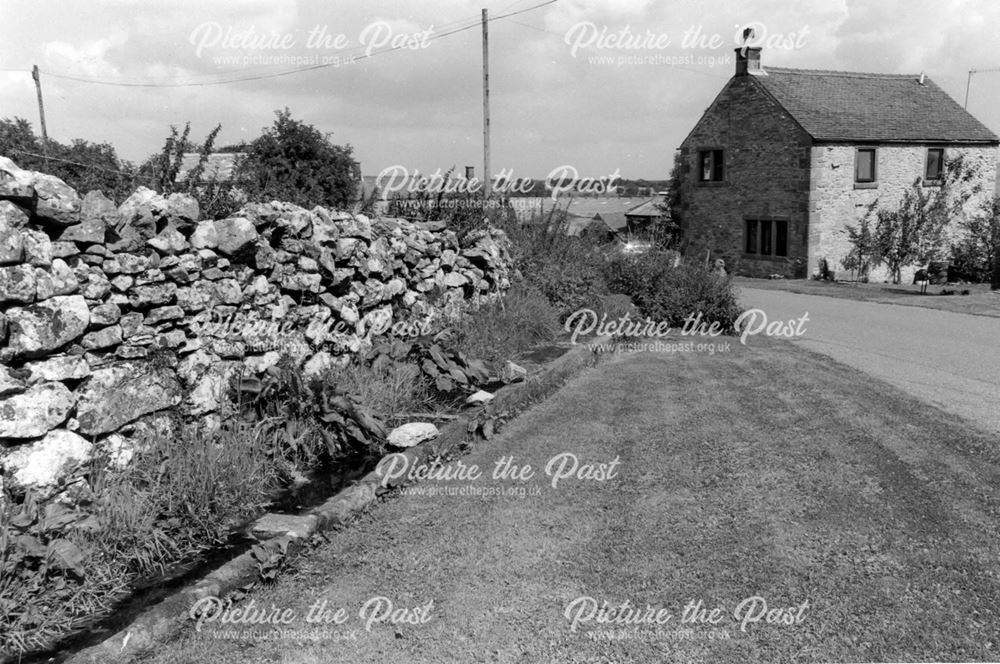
x: 83, y: 165
x: 913, y: 231
x: 977, y: 254
x: 295, y: 162
x: 17, y: 141
x: 862, y: 252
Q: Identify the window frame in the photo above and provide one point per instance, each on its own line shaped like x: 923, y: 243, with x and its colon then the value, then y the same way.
x: 750, y: 230
x: 717, y: 167
x: 940, y: 165
x: 874, y: 167
x: 772, y: 229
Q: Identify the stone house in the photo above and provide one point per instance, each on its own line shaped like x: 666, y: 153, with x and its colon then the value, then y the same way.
x: 784, y: 159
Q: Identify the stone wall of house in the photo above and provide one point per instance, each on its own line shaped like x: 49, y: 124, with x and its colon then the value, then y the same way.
x: 766, y: 177
x: 120, y: 321
x: 835, y: 202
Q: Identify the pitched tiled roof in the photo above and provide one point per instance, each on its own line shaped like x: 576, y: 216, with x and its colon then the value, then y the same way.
x: 847, y: 106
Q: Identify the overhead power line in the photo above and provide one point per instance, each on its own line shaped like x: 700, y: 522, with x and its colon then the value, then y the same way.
x: 241, y: 79
x: 472, y: 23
x: 77, y: 163
x: 466, y: 23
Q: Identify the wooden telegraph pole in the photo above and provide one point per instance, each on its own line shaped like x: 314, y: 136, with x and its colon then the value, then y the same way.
x: 486, y: 108
x: 41, y: 110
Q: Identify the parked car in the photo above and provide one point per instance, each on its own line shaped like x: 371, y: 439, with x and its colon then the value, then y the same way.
x: 635, y: 246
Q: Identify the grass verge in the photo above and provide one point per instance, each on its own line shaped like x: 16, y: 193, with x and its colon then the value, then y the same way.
x: 767, y: 471
x: 979, y: 302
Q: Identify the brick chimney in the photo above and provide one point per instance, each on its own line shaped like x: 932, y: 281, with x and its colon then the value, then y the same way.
x: 748, y: 60
x: 748, y: 57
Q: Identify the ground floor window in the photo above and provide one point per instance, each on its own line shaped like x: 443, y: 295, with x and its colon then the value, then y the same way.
x: 766, y: 237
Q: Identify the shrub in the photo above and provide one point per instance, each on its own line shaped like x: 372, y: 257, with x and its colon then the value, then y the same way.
x: 615, y: 306
x: 671, y: 294
x: 566, y: 269
x: 80, y: 164
x: 295, y: 162
x: 505, y: 328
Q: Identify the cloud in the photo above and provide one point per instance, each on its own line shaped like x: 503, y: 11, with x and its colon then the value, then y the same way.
x: 422, y: 107
x: 85, y: 58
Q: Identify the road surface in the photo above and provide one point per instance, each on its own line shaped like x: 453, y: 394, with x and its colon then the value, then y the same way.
x: 948, y: 359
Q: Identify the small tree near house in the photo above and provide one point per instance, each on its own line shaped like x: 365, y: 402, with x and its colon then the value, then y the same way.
x: 913, y: 232
x: 990, y: 234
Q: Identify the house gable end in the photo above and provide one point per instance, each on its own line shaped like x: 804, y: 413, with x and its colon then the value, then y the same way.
x: 766, y: 177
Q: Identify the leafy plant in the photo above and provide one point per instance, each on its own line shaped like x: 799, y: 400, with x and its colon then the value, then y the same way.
x: 330, y: 415
x: 448, y: 370
x: 503, y: 328
x: 976, y: 256
x: 270, y: 557
x: 670, y: 294
x: 863, y: 250
x: 913, y: 231
x: 566, y: 269
x: 295, y: 162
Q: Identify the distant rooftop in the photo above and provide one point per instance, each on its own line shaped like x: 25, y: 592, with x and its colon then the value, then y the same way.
x: 219, y: 166
x: 650, y: 208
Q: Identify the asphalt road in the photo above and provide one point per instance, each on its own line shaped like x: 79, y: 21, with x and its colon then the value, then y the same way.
x: 947, y: 359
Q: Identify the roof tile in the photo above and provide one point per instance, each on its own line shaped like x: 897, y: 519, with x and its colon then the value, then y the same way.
x: 850, y: 106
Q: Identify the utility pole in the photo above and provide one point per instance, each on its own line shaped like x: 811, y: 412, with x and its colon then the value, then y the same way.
x: 41, y: 110
x: 486, y: 108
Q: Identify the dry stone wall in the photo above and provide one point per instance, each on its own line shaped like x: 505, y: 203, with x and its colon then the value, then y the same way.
x: 117, y: 322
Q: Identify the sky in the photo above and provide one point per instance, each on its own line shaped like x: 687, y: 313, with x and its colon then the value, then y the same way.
x: 596, y: 88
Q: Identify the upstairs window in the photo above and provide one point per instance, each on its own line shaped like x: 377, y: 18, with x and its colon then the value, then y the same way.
x: 710, y: 166
x: 864, y: 165
x: 935, y: 164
